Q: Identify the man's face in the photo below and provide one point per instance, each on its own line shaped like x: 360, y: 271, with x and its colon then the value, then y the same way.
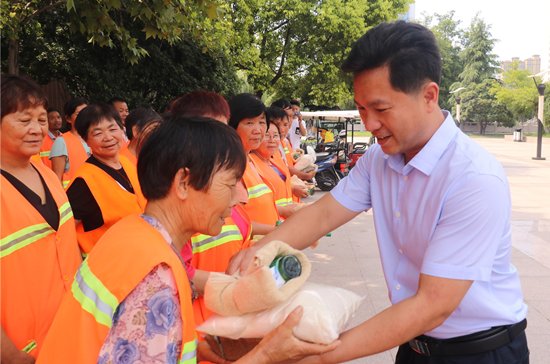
x: 122, y: 109
x: 54, y: 121
x: 395, y: 118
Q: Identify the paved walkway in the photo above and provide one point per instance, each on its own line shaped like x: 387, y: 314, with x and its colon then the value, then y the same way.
x: 350, y: 259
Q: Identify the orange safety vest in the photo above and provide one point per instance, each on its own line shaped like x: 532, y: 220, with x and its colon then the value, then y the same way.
x: 288, y: 152
x: 213, y: 253
x: 77, y: 155
x: 126, y: 152
x: 46, y: 149
x: 126, y: 254
x: 261, y: 204
x: 37, y: 263
x: 113, y: 200
x: 282, y: 190
x: 289, y: 160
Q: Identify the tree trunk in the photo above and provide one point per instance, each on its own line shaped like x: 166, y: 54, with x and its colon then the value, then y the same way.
x: 13, y: 56
x: 482, y: 127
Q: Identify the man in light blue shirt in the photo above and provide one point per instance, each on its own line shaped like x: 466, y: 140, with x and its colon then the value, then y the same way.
x: 441, y: 209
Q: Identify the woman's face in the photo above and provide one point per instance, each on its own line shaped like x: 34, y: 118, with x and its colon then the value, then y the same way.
x: 251, y: 132
x: 270, y: 144
x: 208, y: 209
x: 23, y: 132
x: 105, y: 139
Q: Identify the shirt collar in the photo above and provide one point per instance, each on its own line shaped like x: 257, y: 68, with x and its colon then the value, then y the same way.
x: 426, y: 159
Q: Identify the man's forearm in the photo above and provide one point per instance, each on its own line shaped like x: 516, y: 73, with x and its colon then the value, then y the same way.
x: 310, y: 223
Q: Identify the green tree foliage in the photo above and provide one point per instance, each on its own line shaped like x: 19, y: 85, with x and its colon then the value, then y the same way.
x: 479, y: 102
x: 295, y: 47
x: 477, y: 57
x: 52, y: 52
x: 518, y: 93
x: 480, y: 105
x: 110, y: 23
x: 449, y: 38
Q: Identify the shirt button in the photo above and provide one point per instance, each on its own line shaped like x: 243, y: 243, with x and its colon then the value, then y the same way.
x: 397, y: 214
x: 398, y: 287
x: 405, y: 178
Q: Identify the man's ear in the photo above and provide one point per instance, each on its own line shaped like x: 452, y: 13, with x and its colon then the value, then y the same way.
x: 430, y: 93
x: 181, y: 183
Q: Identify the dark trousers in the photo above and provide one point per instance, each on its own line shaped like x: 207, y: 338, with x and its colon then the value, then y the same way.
x: 516, y: 352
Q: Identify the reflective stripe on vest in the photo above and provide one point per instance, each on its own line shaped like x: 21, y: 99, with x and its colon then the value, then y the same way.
x: 189, y: 352
x: 66, y: 183
x: 45, y: 153
x: 93, y: 296
x: 203, y: 242
x: 285, y: 201
x: 258, y: 190
x: 31, y: 234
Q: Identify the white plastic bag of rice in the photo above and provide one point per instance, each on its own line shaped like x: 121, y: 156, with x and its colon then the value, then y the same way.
x: 327, y: 310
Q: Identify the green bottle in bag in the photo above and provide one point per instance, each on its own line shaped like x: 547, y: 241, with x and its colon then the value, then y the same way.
x: 284, y: 268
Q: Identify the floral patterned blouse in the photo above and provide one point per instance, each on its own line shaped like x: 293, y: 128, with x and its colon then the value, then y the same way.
x: 147, y: 325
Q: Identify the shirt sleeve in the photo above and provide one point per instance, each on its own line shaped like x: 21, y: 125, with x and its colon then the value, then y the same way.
x: 85, y: 207
x: 59, y: 148
x: 147, y: 325
x: 472, y: 227
x: 353, y: 191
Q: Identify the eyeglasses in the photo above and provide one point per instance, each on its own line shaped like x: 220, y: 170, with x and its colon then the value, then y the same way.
x: 272, y: 137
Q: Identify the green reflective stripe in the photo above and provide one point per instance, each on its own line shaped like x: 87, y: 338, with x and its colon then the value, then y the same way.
x: 258, y: 190
x: 23, y: 237
x: 29, y: 347
x: 65, y: 213
x: 189, y: 353
x: 45, y: 154
x: 66, y: 183
x: 202, y: 242
x: 287, y: 151
x: 29, y: 235
x: 285, y: 201
x: 93, y: 296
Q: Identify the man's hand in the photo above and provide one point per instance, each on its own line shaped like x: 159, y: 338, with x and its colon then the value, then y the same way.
x: 242, y: 260
x: 281, y: 344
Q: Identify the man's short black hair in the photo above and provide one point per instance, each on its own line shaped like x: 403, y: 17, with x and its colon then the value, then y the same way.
x: 409, y: 50
x: 282, y: 103
x: 116, y: 99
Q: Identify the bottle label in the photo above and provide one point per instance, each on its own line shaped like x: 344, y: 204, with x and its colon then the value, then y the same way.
x: 279, y: 280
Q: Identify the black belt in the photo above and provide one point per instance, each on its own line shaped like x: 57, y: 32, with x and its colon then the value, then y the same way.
x: 476, y: 343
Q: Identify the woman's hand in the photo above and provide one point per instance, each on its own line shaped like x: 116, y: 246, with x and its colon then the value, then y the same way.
x: 300, y: 191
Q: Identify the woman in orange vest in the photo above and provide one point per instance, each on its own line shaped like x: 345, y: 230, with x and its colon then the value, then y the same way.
x: 139, y: 124
x: 105, y: 188
x: 207, y: 253
x: 38, y: 250
x: 131, y: 298
x: 54, y: 125
x: 69, y: 151
x: 248, y: 118
x: 274, y: 171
